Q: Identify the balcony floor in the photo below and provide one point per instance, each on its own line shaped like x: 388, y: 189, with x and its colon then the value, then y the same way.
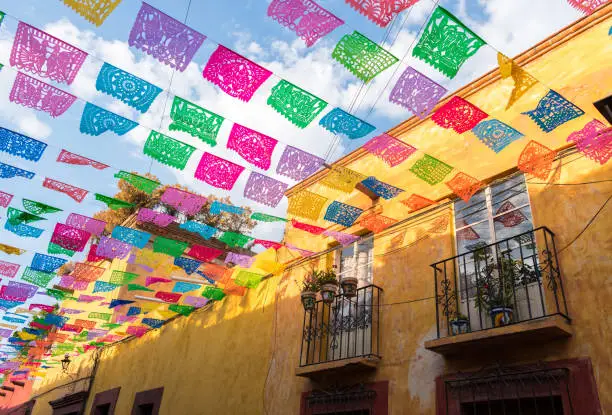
x: 353, y: 364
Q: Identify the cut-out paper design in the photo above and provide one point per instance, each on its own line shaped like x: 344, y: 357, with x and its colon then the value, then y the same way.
x: 156, y: 280
x: 184, y: 202
x: 184, y: 287
x: 113, y: 203
x: 58, y: 250
x: 204, y: 253
x: 169, y: 246
x: 20, y: 145
x: 195, y: 120
x: 266, y: 218
x: 40, y: 53
x: 153, y: 322
x: 235, y: 239
x: 152, y: 260
x: 91, y: 225
x: 315, y: 230
x: 86, y: 324
x: 264, y: 189
x: 167, y: 150
x: 70, y: 283
x: 140, y: 182
x: 381, y: 189
x: 23, y: 230
x: 254, y: 147
x: 248, y: 279
x: 205, y: 231
x: 103, y: 287
x: 127, y: 88
x: 32, y: 93
x: 430, y: 169
x: 112, y: 248
x: 536, y: 159
x: 587, y: 6
x: 5, y: 199
x: 136, y: 287
x: 216, y: 208
x: 343, y: 238
x: 510, y: 219
x: 39, y: 278
x: 8, y: 269
x: 197, y: 302
x: 522, y: 80
x: 151, y: 216
x: 342, y: 179
x: 121, y: 277
x: 342, y: 213
x: 495, y: 134
x: 131, y: 236
x: 136, y: 331
x: 268, y: 244
x: 389, y: 149
x: 95, y: 11
x: 459, y: 115
x: 306, y: 205
x: 305, y: 17
x: 298, y: 106
x: 168, y: 297
x: 166, y: 39
x: 364, y: 58
x: 17, y: 288
x: 96, y: 120
x: 46, y: 263
x: 446, y: 43
x: 7, y: 172
x: 552, y: 111
x: 86, y: 272
x: 342, y: 123
x: 376, y: 223
x: 218, y: 172
x: 464, y: 186
x: 16, y: 216
x: 594, y: 140
x: 380, y: 12
x: 83, y: 298
x: 416, y: 92
x: 439, y: 225
x: 213, y: 293
x: 38, y: 208
x: 298, y: 164
x: 100, y: 316
x: 236, y: 75
x: 189, y: 265
x: 183, y: 310
x: 133, y: 311
x: 76, y: 193
x: 244, y: 261
x: 71, y: 158
x: 70, y: 238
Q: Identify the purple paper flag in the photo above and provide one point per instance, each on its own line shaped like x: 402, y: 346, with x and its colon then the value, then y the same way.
x: 298, y: 164
x: 264, y: 189
x: 416, y: 92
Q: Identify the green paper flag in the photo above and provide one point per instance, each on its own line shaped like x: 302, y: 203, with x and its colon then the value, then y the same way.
x: 110, y: 326
x: 248, y: 279
x: 184, y: 310
x: 295, y: 104
x: 121, y: 277
x: 56, y: 249
x: 213, y: 293
x: 195, y: 120
x: 100, y: 316
x: 145, y: 184
x: 167, y: 150
x: 446, y: 43
x: 266, y: 218
x: 35, y: 277
x: 1, y: 19
x: 136, y: 287
x: 16, y: 217
x: 430, y: 169
x: 169, y: 246
x: 364, y: 58
x: 57, y: 294
x: 113, y: 203
x: 234, y: 239
x: 38, y: 208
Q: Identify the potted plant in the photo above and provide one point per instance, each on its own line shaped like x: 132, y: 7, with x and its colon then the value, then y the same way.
x: 328, y: 283
x: 349, y: 285
x: 310, y: 286
x: 459, y: 324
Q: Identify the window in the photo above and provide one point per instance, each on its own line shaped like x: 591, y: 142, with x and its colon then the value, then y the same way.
x: 604, y: 106
x: 148, y: 402
x: 356, y: 260
x: 104, y: 403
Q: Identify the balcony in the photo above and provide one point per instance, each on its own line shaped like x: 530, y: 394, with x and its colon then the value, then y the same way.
x: 342, y: 336
x: 507, y: 292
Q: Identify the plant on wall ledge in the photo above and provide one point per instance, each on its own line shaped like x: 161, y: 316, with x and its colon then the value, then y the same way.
x: 309, y: 287
x: 328, y: 283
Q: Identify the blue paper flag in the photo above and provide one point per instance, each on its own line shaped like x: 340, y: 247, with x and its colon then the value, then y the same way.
x: 128, y: 88
x: 47, y: 263
x: 96, y: 121
x: 381, y: 189
x: 20, y: 145
x: 218, y: 207
x: 7, y: 172
x: 189, y: 265
x: 342, y: 123
x: 342, y: 214
x: 131, y: 236
x: 202, y: 229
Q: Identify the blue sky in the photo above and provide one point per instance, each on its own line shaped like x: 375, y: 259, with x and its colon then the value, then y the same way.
x: 511, y: 26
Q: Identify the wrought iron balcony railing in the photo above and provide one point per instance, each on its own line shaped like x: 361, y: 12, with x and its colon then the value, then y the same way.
x: 514, y: 280
x: 344, y: 329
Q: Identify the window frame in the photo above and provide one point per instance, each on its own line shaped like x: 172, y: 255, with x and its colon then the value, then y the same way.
x: 110, y: 397
x: 337, y: 260
x: 151, y: 396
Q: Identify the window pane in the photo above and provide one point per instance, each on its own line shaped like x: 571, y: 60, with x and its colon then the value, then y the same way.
x: 509, y: 194
x: 473, y: 237
x: 358, y: 264
x: 470, y: 212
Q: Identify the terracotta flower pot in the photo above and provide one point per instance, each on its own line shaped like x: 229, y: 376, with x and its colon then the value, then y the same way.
x: 309, y: 298
x: 501, y: 315
x: 328, y: 292
x: 349, y: 286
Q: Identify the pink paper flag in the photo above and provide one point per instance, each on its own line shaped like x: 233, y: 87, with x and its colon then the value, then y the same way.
x: 264, y: 189
x: 218, y: 172
x: 5, y: 199
x: 185, y: 202
x: 71, y: 158
x: 343, y: 238
x: 594, y: 140
x: 32, y: 93
x: 151, y: 216
x: 268, y: 244
x: 155, y: 280
x: 89, y: 298
x: 70, y: 238
x: 389, y: 149
x: 8, y: 269
x: 137, y: 331
x: 74, y: 192
x: 168, y: 297
x: 458, y: 114
x: 254, y: 147
x: 203, y: 253
x: 86, y: 223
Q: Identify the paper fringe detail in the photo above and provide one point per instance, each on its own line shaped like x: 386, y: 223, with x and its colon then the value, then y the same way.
x: 315, y: 230
x: 342, y: 213
x: 464, y: 186
x: 76, y: 193
x: 151, y: 216
x: 218, y: 172
x: 298, y: 164
x: 495, y: 134
x: 430, y: 169
x: 140, y: 182
x: 376, y: 223
x: 169, y: 246
x: 305, y: 17
x: 381, y: 189
x: 32, y: 93
x: 217, y: 207
x: 587, y: 6
x: 195, y: 120
x: 166, y: 39
x: 416, y: 92
x: 389, y: 149
x: 536, y: 159
x: 96, y: 120
x: 254, y: 147
x: 69, y: 237
x: 342, y: 179
x: 522, y: 80
x: 446, y: 43
x: 56, y: 249
x: 95, y: 11
x: 7, y: 172
x: 20, y: 145
x: 205, y: 231
x: 459, y: 115
x: 185, y: 202
x: 113, y: 203
x: 46, y: 263
x: 264, y: 189
x: 262, y: 217
x: 381, y: 12
x: 8, y: 269
x: 236, y: 75
x: 297, y: 105
x: 204, y: 253
x: 111, y: 248
x: 38, y: 278
x: 594, y: 140
x: 306, y: 205
x: 187, y: 264
x: 71, y: 158
x: 5, y: 199
x: 131, y: 236
x: 40, y: 53
x: 552, y: 111
x: 342, y: 123
x: 86, y: 272
x: 234, y: 239
x: 91, y: 225
x: 167, y: 150
x: 248, y: 279
x: 364, y: 58
x: 127, y: 88
x: 11, y: 250
x: 244, y: 261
